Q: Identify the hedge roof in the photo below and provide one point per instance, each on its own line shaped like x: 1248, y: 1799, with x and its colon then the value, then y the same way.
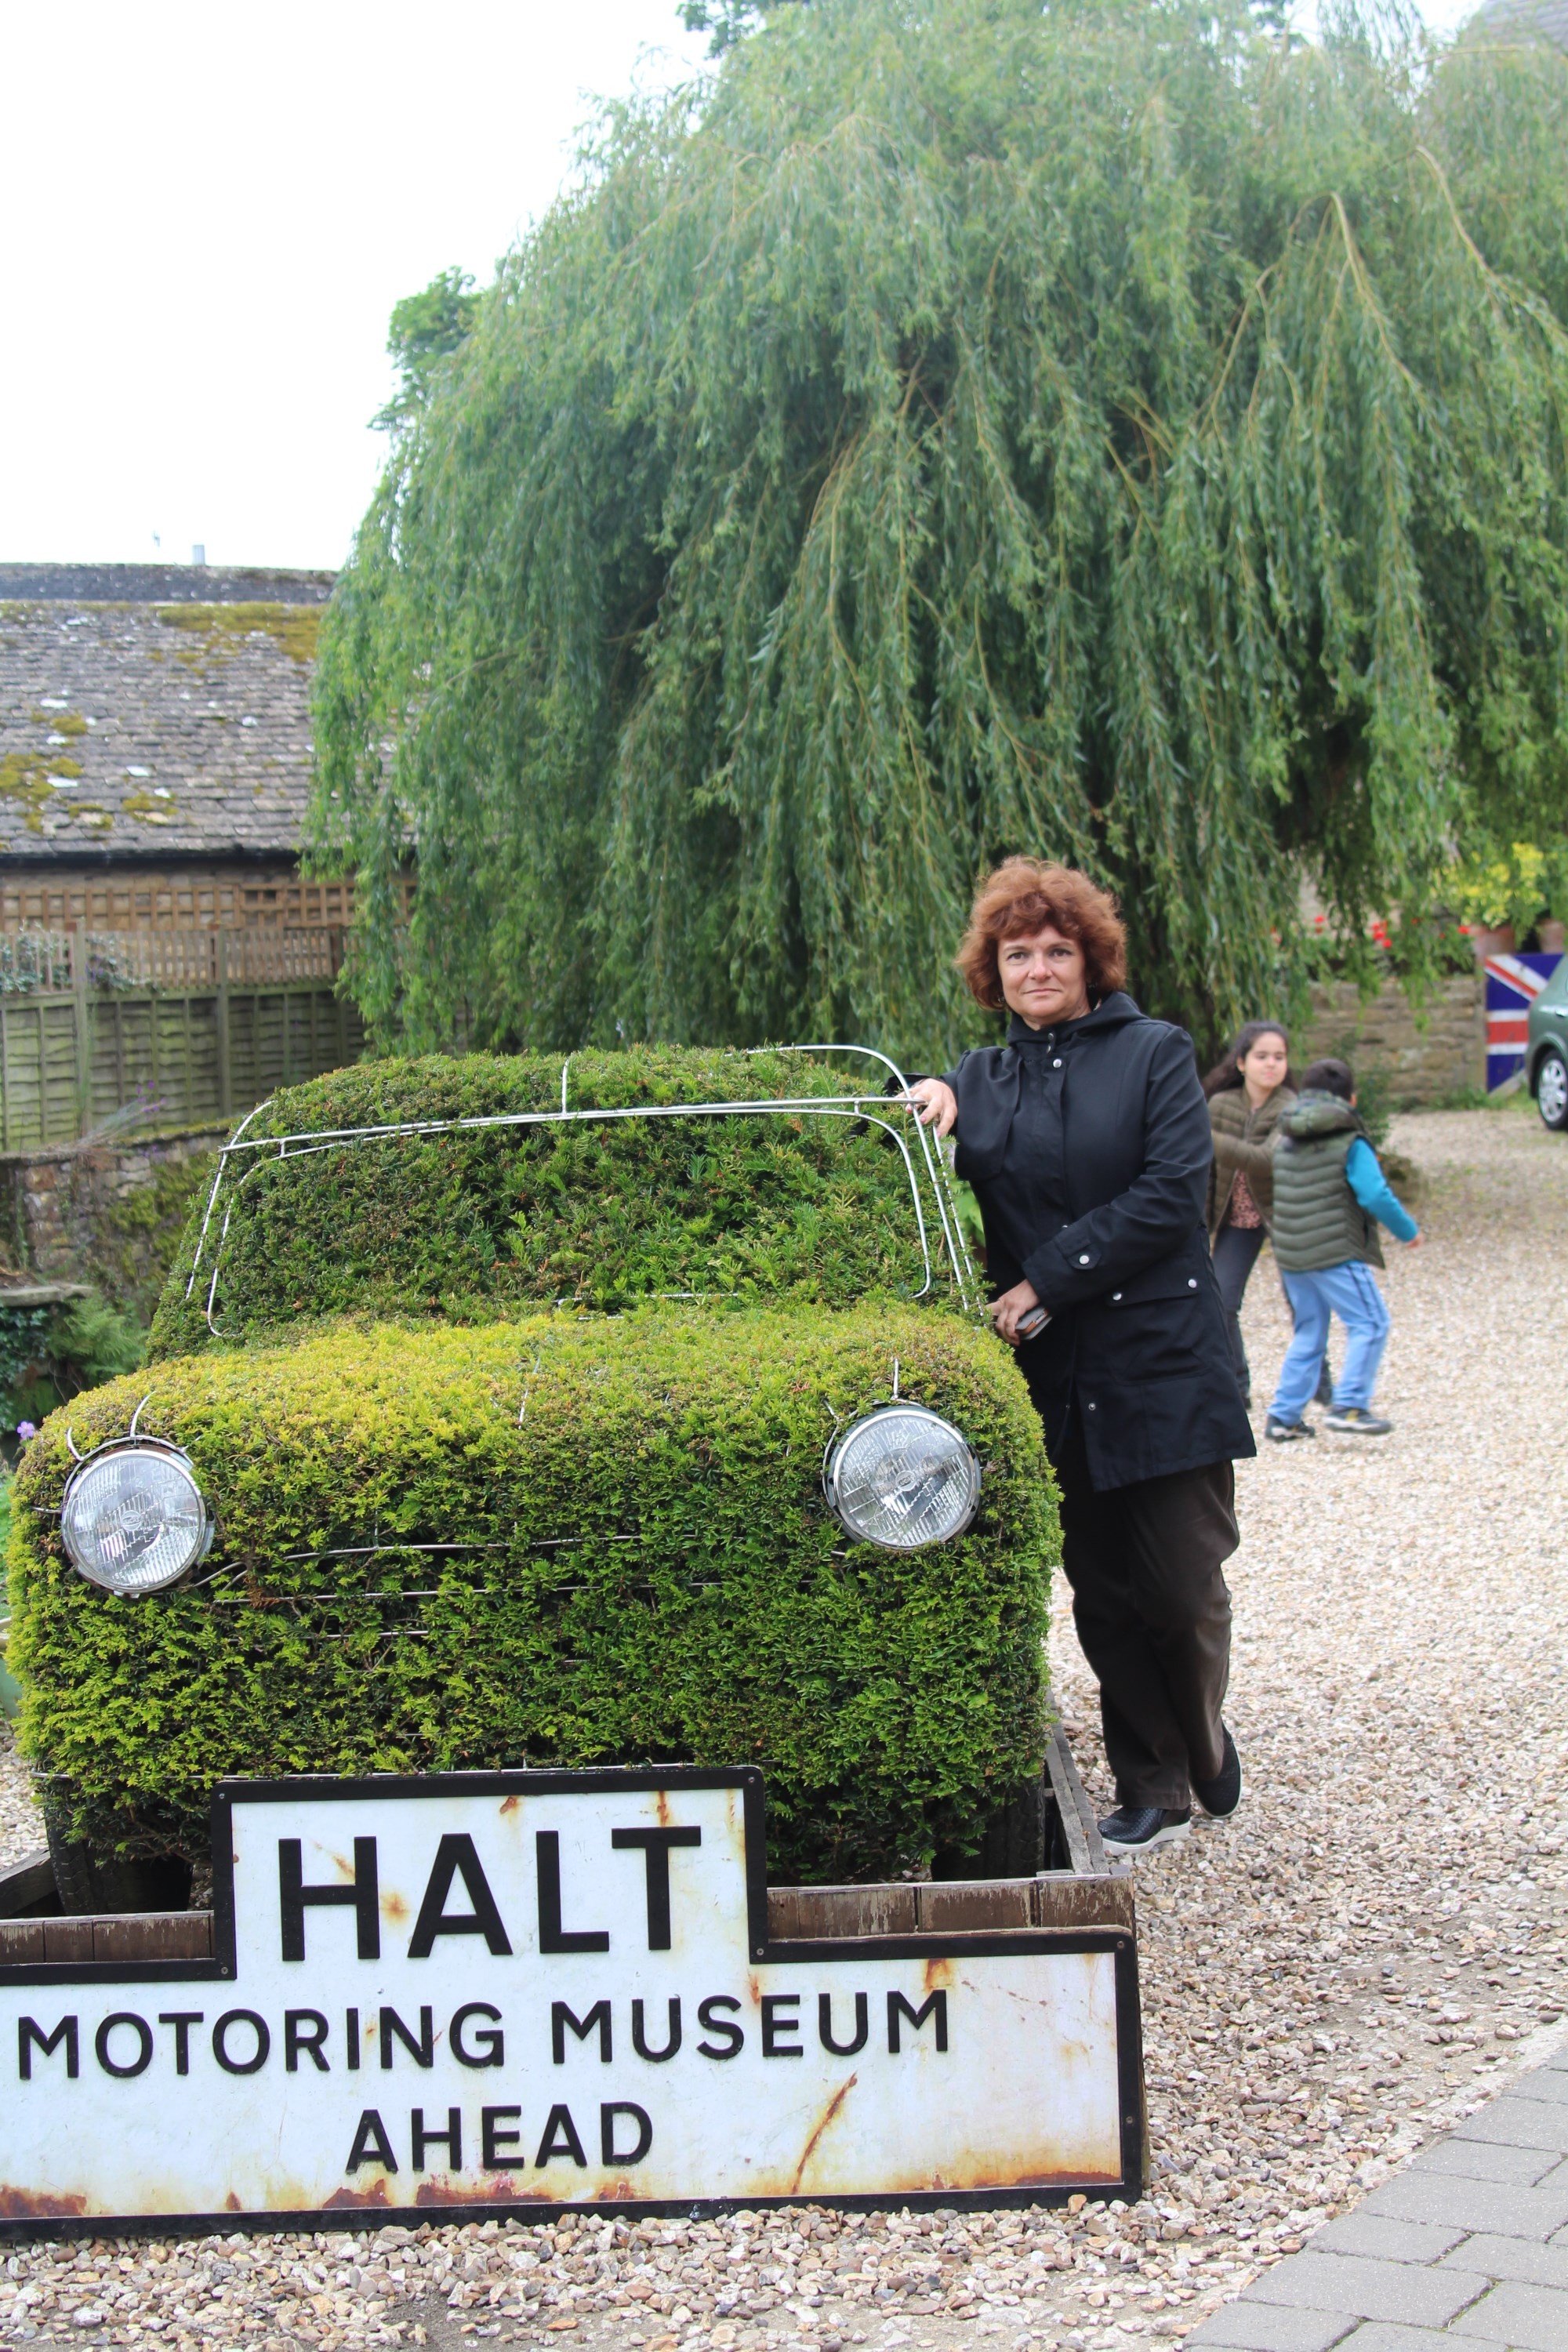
x: 463, y: 1222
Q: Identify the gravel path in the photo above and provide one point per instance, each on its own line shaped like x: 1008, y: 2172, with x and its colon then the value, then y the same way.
x: 21, y: 1830
x: 1328, y: 1981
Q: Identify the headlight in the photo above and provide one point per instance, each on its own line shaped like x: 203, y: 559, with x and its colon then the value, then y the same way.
x: 903, y: 1478
x: 134, y: 1518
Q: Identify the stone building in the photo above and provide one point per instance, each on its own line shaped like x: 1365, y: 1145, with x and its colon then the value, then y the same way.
x: 156, y: 749
x: 162, y: 959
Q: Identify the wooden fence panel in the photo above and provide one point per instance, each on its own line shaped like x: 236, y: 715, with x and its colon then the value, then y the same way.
x: 60, y: 1113
x: 71, y: 1058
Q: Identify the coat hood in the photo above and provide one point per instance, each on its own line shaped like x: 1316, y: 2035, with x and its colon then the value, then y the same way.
x: 1317, y: 1113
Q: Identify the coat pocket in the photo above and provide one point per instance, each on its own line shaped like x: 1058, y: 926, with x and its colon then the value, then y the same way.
x: 1159, y: 1329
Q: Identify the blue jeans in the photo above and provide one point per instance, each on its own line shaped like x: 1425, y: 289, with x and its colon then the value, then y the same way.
x: 1349, y: 1292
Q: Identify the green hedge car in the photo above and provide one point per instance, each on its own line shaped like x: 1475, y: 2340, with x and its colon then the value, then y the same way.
x: 1546, y: 1051
x: 507, y: 1412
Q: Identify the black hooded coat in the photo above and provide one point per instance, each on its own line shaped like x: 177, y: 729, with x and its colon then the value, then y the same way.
x: 1089, y: 1148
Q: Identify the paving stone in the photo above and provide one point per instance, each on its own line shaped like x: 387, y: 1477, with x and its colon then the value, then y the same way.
x: 1483, y: 2159
x: 1513, y: 2258
x: 1369, y: 2289
x: 1526, y: 2319
x: 1388, y: 2241
x: 1547, y: 2085
x: 1249, y: 2326
x: 1382, y: 2336
x: 1519, y: 2123
x: 1467, y: 2204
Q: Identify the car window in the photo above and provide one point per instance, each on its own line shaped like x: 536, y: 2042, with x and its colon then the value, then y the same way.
x: 822, y: 1197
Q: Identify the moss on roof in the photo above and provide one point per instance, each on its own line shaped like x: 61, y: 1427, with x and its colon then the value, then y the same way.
x: 223, y: 629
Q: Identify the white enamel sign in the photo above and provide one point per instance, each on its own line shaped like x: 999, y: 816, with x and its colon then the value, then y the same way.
x: 548, y: 1989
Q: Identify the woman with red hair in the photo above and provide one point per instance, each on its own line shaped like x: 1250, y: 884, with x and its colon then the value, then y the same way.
x: 1086, y: 1137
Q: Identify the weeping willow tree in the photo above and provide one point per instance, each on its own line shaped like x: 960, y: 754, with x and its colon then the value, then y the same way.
x: 1114, y: 430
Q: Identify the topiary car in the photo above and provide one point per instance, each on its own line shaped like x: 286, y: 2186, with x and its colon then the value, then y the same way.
x: 502, y: 1412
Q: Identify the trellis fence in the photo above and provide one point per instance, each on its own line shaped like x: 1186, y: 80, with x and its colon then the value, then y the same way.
x: 184, y: 1029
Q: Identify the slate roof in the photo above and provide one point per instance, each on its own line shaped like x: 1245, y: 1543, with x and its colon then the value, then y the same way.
x: 1549, y: 18
x: 162, y: 584
x: 150, y: 710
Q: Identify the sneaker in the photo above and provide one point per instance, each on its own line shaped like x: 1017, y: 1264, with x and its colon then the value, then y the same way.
x: 1357, y: 1420
x: 1220, y: 1797
x: 1138, y: 1828
x: 1283, y: 1432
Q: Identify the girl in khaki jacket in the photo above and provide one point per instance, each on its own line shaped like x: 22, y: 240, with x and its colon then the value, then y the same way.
x: 1249, y: 1091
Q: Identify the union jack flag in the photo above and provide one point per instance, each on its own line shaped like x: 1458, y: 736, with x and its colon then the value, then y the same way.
x: 1514, y: 983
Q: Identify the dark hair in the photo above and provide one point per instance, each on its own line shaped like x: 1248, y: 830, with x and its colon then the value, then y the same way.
x: 1328, y: 1077
x: 1226, y: 1072
x: 1019, y: 898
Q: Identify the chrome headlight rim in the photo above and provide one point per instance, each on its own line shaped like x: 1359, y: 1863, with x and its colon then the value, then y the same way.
x: 160, y: 1449
x: 839, y: 1445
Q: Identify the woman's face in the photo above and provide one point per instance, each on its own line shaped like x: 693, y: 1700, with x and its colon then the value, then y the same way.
x: 1043, y: 977
x: 1264, y: 1064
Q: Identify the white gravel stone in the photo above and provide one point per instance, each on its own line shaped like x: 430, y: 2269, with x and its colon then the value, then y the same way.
x: 21, y: 1827
x: 1329, y: 1980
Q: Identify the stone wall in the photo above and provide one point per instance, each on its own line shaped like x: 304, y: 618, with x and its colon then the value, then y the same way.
x: 1425, y: 1059
x: 96, y: 1212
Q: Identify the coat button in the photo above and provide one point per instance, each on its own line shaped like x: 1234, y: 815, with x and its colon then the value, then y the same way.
x: 1083, y: 1259
x: 1057, y: 1063
x: 1091, y: 1408
x: 1191, y: 1282
x: 1116, y: 1295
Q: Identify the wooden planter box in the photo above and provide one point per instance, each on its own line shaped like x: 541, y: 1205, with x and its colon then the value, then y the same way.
x: 1079, y: 1889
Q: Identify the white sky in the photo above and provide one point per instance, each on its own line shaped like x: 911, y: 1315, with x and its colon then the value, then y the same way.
x: 208, y: 215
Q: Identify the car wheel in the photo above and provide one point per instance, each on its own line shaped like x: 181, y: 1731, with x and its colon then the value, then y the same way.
x: 87, y: 1881
x: 1552, y: 1093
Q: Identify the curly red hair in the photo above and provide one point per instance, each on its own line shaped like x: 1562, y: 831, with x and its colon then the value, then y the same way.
x: 1020, y: 898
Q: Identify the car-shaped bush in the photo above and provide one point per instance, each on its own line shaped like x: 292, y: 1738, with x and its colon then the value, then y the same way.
x: 508, y: 1411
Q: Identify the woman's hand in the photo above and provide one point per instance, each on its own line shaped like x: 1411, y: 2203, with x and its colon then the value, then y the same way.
x: 1008, y: 1311
x: 934, y: 1104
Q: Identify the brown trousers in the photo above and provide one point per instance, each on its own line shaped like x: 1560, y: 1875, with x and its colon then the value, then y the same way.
x: 1152, y: 1614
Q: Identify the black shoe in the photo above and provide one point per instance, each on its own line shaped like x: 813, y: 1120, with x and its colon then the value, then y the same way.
x: 1220, y: 1797
x: 1283, y: 1432
x: 1137, y: 1829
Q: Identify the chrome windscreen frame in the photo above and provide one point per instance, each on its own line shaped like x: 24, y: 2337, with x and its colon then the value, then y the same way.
x: 243, y: 1157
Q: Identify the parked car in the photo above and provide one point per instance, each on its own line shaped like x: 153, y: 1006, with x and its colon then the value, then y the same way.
x: 1546, y: 1051
x: 503, y: 1412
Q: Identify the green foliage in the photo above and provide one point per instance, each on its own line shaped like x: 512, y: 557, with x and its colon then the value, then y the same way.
x: 47, y: 1354
x: 425, y: 329
x: 1431, y: 949
x: 1374, y: 1100
x: 815, y: 1209
x: 724, y: 20
x: 24, y: 1345
x: 135, y: 1238
x: 630, y: 1559
x: 1115, y: 430
x: 1519, y: 884
x: 10, y: 1688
